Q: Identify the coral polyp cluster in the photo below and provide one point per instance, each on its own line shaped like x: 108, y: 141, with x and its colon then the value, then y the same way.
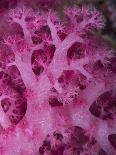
x: 57, y: 83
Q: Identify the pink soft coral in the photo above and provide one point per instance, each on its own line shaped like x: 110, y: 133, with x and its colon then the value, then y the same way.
x: 55, y: 78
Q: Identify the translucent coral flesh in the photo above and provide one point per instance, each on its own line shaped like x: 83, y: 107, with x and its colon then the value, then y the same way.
x: 57, y: 84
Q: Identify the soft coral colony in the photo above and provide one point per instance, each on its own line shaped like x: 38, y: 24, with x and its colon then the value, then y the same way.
x: 57, y: 85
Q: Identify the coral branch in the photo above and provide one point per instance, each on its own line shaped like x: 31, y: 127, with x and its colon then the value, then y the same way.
x: 55, y: 37
x: 18, y: 16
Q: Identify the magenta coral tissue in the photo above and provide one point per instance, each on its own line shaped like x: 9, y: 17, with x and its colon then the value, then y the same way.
x: 57, y: 82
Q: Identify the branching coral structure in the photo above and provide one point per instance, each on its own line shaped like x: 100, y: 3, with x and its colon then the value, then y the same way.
x: 57, y: 84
